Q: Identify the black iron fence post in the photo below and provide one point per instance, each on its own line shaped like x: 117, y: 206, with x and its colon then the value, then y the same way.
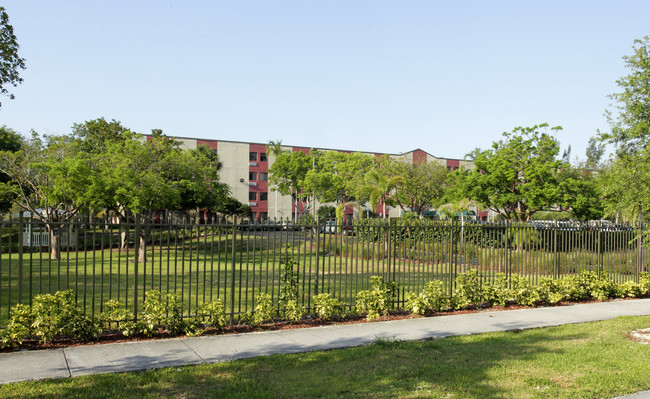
x: 450, y: 256
x: 21, y: 227
x: 556, y: 254
x: 601, y: 267
x: 233, y: 269
x: 315, y: 234
x: 136, y: 246
x: 391, y: 265
x: 639, y: 248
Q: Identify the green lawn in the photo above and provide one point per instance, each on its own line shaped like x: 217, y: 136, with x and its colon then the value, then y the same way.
x: 590, y: 360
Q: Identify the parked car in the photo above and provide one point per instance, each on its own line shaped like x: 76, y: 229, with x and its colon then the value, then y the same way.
x: 289, y: 226
x: 270, y: 225
x: 329, y: 227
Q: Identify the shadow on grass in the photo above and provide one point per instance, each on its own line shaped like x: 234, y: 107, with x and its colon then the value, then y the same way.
x: 482, y: 366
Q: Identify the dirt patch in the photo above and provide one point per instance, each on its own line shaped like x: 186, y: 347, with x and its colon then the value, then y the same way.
x: 641, y: 336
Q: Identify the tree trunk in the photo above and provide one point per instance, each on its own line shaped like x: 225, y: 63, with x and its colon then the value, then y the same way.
x: 55, y: 251
x: 124, y: 236
x: 143, y: 236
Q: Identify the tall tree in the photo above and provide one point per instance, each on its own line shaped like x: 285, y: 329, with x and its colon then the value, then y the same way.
x: 9, y: 141
x: 627, y: 175
x: 629, y: 122
x: 94, y: 135
x: 337, y: 176
x: 51, y: 181
x: 582, y: 189
x: 10, y: 62
x: 287, y: 173
x: 422, y: 184
x: 378, y: 189
x: 518, y: 176
x: 137, y: 177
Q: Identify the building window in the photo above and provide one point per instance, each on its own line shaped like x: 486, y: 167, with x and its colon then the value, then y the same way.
x: 252, y: 196
x: 252, y: 157
x: 252, y: 176
x: 263, y: 157
x: 263, y: 216
x: 264, y: 176
x: 264, y: 196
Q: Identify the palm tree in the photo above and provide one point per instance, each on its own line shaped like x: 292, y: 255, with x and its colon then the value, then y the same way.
x: 461, y: 207
x: 378, y: 188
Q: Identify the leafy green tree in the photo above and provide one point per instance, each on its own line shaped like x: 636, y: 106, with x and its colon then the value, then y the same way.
x: 626, y: 184
x: 94, y: 135
x: 336, y: 175
x: 627, y: 176
x: 206, y: 194
x: 421, y: 186
x: 328, y: 176
x: 336, y: 178
x: 517, y: 177
x: 582, y: 191
x: 630, y: 120
x: 287, y: 173
x: 9, y: 141
x: 136, y: 177
x: 232, y: 207
x: 10, y: 62
x: 51, y: 181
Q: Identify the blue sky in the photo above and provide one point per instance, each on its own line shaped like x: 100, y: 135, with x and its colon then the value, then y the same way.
x: 381, y: 76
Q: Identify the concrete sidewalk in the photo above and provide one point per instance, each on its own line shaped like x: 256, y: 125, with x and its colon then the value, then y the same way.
x: 141, y: 355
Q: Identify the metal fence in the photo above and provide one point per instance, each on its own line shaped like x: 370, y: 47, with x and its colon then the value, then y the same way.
x: 236, y: 261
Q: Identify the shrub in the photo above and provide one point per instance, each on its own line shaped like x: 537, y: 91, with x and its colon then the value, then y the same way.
x: 468, y: 290
x: 644, y: 284
x: 51, y: 316
x: 292, y: 311
x: 158, y: 314
x: 153, y: 313
x: 19, y: 327
x: 497, y: 292
x: 578, y: 287
x: 208, y: 314
x: 552, y: 291
x: 115, y: 313
x: 631, y: 289
x: 524, y: 293
x: 376, y: 301
x: 604, y: 288
x: 326, y: 307
x: 262, y: 312
x: 289, y: 278
x: 213, y: 314
x: 174, y: 321
x: 58, y: 315
x: 432, y: 299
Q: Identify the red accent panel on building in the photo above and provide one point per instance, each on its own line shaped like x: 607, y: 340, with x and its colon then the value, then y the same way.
x: 419, y: 156
x: 454, y: 163
x: 303, y: 149
x: 210, y: 143
x: 261, y: 186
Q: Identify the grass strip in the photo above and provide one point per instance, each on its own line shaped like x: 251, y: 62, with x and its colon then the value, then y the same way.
x: 589, y: 360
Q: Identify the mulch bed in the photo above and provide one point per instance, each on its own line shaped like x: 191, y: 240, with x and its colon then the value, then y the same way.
x: 308, y: 322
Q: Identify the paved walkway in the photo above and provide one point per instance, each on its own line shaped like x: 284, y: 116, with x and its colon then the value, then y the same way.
x: 141, y: 355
